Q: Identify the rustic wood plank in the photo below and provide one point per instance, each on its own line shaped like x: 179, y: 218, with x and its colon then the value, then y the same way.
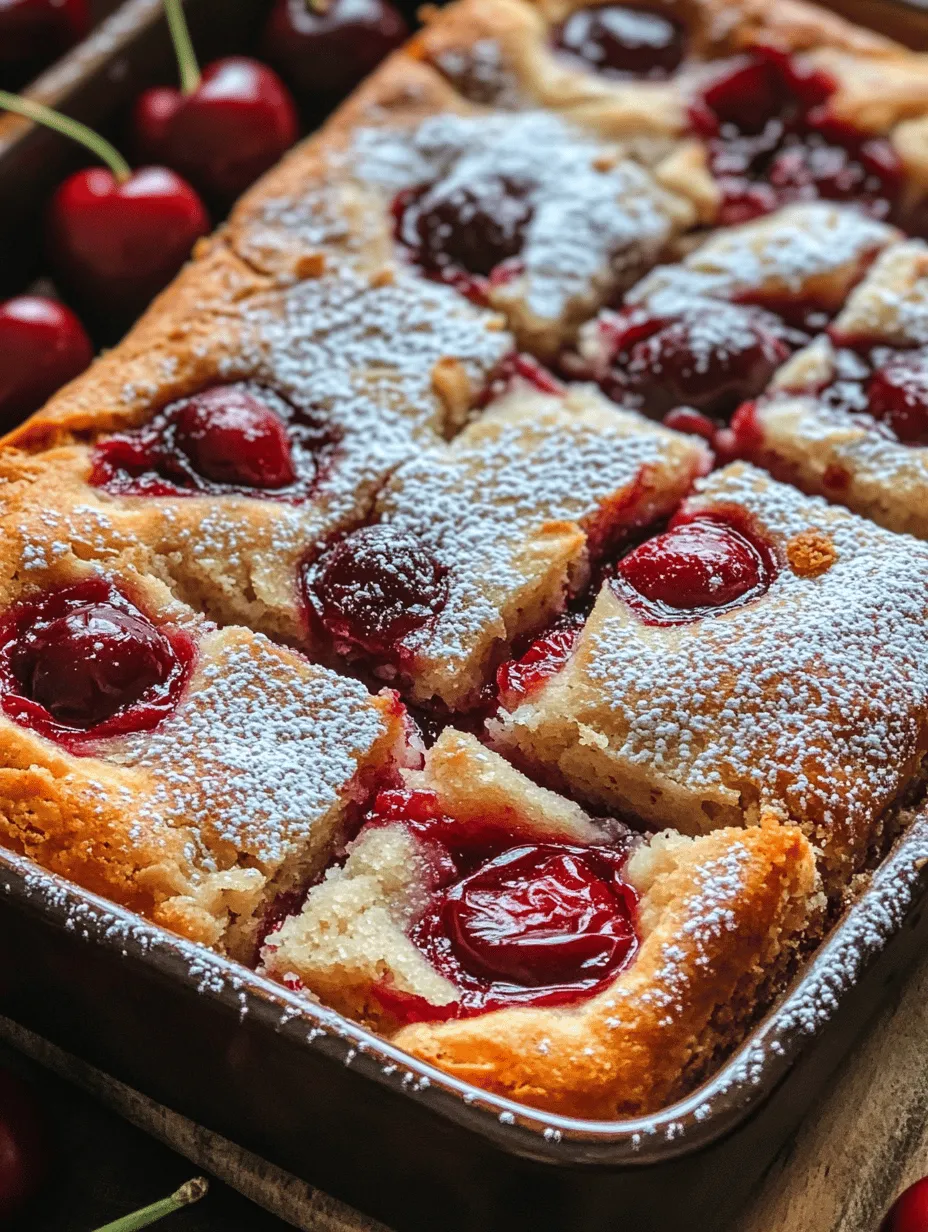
x: 867, y: 1140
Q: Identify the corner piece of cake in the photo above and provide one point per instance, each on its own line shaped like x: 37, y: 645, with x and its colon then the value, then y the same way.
x: 494, y: 929
x: 768, y: 653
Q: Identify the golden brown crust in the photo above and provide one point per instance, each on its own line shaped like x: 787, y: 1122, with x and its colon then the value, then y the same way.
x: 649, y: 1037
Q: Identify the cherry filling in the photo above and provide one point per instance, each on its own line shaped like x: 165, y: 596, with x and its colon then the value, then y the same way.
x: 84, y: 662
x: 469, y: 235
x: 884, y: 383
x: 703, y: 564
x: 228, y: 439
x: 520, y: 677
x: 512, y: 922
x: 374, y: 588
x: 772, y: 140
x: 617, y: 40
x: 706, y: 355
x: 518, y: 371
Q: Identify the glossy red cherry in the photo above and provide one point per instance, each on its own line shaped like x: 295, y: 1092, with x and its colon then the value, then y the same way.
x: 35, y: 32
x: 693, y: 423
x: 84, y: 661
x: 909, y: 1213
x: 42, y: 346
x: 469, y: 227
x: 701, y: 565
x: 748, y: 94
x: 118, y: 242
x: 231, y: 436
x: 375, y: 587
x: 897, y: 394
x: 225, y: 133
x: 23, y: 1145
x: 328, y: 46
x: 618, y: 40
x: 709, y: 359
x: 91, y: 662
x: 540, y: 915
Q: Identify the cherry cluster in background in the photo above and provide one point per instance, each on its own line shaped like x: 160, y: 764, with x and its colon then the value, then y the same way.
x: 116, y: 233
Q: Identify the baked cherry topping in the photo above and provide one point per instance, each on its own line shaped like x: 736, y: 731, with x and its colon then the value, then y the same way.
x: 512, y: 922
x: 374, y: 588
x: 618, y: 40
x: 228, y: 439
x: 877, y: 383
x: 518, y: 371
x: 84, y: 662
x: 697, y: 567
x: 898, y: 396
x: 329, y: 47
x: 465, y: 233
x: 539, y: 915
x: 772, y: 140
x: 520, y: 677
x: 692, y: 422
x: 710, y: 356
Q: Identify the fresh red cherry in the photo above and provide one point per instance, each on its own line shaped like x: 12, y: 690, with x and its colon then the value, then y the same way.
x: 909, y: 1213
x: 618, y: 40
x: 710, y: 360
x: 328, y: 46
x: 223, y: 134
x: 230, y: 436
x: 698, y: 565
x: 375, y: 587
x: 35, y: 32
x: 474, y: 228
x: 91, y: 662
x: 898, y: 395
x: 118, y: 242
x: 42, y: 346
x: 23, y: 1145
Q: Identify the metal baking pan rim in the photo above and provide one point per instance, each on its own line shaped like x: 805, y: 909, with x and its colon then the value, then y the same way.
x: 718, y: 1106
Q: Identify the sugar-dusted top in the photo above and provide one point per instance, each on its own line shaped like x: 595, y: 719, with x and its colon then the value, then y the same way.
x: 812, y: 699
x: 596, y: 216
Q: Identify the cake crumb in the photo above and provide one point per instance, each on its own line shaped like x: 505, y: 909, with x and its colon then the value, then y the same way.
x: 811, y: 553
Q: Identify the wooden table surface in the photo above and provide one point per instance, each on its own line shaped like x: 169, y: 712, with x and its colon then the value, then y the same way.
x: 866, y: 1141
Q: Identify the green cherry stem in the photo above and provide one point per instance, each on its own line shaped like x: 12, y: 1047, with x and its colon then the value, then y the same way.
x: 74, y: 129
x: 183, y: 46
x: 192, y: 1192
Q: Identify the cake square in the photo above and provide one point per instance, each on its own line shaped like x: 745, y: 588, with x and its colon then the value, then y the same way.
x: 483, y: 542
x: 671, y: 927
x: 847, y: 417
x: 768, y: 654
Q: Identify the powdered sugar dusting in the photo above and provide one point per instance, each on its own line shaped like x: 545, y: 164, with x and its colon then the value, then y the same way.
x: 482, y: 505
x: 812, y: 699
x: 256, y: 756
x: 596, y: 221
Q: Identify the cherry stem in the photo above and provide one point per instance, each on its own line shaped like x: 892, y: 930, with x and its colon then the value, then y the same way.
x: 183, y: 46
x: 74, y: 129
x: 192, y: 1192
x: 319, y: 6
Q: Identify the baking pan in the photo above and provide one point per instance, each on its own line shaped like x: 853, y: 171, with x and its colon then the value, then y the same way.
x: 318, y: 1094
x: 397, y: 1139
